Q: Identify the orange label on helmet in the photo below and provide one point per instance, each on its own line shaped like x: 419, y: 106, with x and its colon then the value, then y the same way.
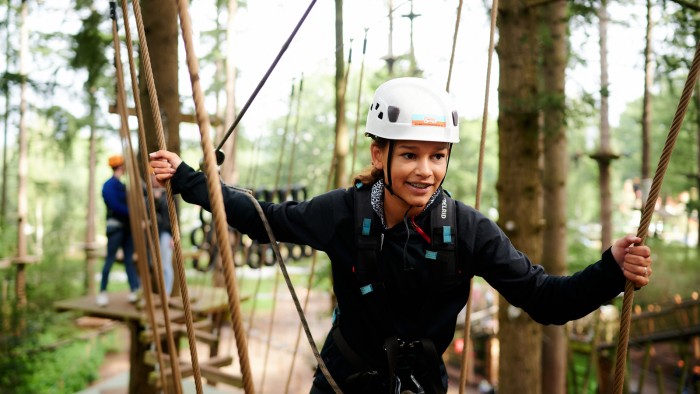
x: 428, y: 120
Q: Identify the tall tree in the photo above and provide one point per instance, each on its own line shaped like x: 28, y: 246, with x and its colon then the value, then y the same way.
x: 161, y: 27
x: 229, y: 170
x: 646, y: 108
x: 554, y: 179
x: 89, y: 53
x: 6, y: 118
x: 519, y: 176
x: 342, y: 143
x: 604, y: 156
x: 22, y: 198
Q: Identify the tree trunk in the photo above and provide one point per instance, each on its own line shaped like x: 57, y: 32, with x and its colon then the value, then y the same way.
x: 341, y: 130
x: 90, y: 245
x: 695, y: 194
x: 556, y: 163
x: 604, y: 156
x: 229, y: 170
x: 646, y: 110
x: 6, y: 120
x: 20, y: 278
x: 161, y: 26
x: 519, y: 187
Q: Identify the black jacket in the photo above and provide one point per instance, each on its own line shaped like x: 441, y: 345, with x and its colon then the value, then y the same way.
x: 419, y: 309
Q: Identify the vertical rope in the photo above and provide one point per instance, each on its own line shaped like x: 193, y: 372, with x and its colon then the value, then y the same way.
x: 290, y: 171
x: 172, y: 209
x: 156, y: 258
x: 647, y: 214
x: 136, y: 210
x: 454, y: 45
x: 477, y: 203
x: 215, y: 197
x: 357, y: 106
x: 309, y: 284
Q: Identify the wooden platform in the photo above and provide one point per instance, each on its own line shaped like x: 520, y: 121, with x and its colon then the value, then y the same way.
x: 206, y: 303
x: 203, y: 300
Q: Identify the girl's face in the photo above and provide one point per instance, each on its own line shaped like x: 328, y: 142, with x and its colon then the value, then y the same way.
x: 417, y: 170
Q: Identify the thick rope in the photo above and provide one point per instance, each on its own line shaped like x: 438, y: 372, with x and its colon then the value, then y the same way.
x: 172, y: 209
x: 454, y: 45
x: 156, y: 258
x: 647, y: 214
x: 136, y: 207
x: 477, y: 204
x: 215, y: 197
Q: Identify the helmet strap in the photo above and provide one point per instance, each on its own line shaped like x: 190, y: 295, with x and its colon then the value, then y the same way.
x: 447, y: 165
x: 390, y: 154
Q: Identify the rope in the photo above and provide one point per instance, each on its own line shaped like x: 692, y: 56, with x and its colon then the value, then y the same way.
x: 647, y: 214
x: 359, y: 99
x: 215, y: 197
x: 288, y: 188
x: 156, y: 258
x: 136, y: 207
x: 267, y: 75
x: 309, y: 284
x: 278, y: 173
x: 454, y: 45
x: 172, y: 209
x: 477, y: 203
x: 292, y: 292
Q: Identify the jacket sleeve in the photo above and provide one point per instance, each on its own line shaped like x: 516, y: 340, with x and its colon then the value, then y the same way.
x: 548, y: 299
x: 306, y: 223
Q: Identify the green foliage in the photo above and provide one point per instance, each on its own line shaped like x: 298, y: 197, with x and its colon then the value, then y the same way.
x: 89, y: 50
x: 683, y: 160
x: 36, y: 342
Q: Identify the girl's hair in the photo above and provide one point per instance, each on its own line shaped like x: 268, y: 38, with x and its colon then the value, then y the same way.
x: 370, y: 175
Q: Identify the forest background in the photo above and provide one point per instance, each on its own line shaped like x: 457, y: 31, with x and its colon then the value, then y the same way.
x: 66, y: 79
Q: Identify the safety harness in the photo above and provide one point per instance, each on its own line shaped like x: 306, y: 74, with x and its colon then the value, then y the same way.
x: 403, y: 357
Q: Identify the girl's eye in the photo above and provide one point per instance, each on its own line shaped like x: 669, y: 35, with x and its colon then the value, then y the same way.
x: 439, y: 156
x: 408, y: 156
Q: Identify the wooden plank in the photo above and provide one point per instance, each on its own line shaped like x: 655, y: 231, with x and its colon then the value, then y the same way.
x: 186, y: 118
x: 215, y: 375
x: 186, y: 369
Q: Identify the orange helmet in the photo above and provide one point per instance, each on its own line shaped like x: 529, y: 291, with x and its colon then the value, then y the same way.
x: 116, y: 161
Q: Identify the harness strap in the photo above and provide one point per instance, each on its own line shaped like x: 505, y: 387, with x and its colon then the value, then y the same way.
x: 391, y: 346
x: 348, y: 353
x: 435, y: 377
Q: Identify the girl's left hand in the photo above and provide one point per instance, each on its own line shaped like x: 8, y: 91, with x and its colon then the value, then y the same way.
x: 635, y: 261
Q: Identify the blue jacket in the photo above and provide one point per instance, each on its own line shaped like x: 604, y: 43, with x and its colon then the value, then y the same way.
x: 114, y: 195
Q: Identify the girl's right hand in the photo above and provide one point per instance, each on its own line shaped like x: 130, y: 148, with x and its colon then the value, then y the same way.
x: 164, y: 164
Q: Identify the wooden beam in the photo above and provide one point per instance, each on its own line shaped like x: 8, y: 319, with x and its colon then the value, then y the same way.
x: 186, y: 118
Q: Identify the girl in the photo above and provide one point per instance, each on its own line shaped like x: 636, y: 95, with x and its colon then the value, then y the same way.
x: 403, y: 251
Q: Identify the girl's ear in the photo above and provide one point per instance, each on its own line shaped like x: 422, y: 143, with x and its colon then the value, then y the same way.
x: 377, y: 157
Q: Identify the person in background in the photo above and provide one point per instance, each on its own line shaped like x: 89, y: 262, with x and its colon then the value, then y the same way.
x: 118, y: 231
x: 165, y: 236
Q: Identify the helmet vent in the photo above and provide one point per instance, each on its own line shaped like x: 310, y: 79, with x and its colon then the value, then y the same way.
x: 376, y: 106
x: 455, y: 118
x: 393, y: 113
x: 380, y: 115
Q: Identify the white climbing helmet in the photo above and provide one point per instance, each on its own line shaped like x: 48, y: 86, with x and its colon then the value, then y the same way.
x: 413, y: 109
